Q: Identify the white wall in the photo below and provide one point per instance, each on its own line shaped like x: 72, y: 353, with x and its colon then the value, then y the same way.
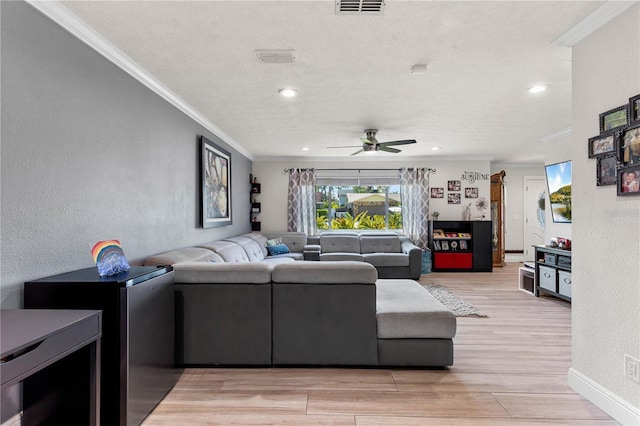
x: 606, y: 228
x: 275, y: 182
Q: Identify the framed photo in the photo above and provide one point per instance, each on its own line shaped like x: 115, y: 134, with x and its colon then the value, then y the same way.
x: 216, y: 185
x: 437, y: 192
x: 436, y: 245
x: 445, y: 245
x: 634, y: 110
x: 471, y: 193
x: 454, y: 185
x: 606, y: 170
x: 453, y: 199
x: 614, y: 118
x: 603, y: 144
x: 463, y: 244
x: 630, y: 146
x: 629, y: 181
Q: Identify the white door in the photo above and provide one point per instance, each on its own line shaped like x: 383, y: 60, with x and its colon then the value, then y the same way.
x: 535, y: 190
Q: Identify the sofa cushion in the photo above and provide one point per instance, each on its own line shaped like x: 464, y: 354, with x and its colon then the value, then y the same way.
x: 260, y: 239
x: 310, y: 272
x: 379, y: 244
x: 338, y: 243
x: 387, y: 259
x: 228, y: 250
x: 250, y: 247
x: 187, y: 254
x: 223, y: 273
x: 294, y: 240
x: 404, y: 309
x: 331, y: 257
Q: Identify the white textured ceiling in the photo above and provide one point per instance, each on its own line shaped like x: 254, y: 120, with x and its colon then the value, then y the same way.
x: 353, y: 72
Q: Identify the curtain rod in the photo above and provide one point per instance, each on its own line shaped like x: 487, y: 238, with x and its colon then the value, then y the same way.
x: 429, y: 169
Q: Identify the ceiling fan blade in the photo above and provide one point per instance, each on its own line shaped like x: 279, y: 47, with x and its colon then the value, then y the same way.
x: 345, y: 146
x: 358, y: 152
x: 367, y: 141
x: 404, y: 142
x: 387, y: 149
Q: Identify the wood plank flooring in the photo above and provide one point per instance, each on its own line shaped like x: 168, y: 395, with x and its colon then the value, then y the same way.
x: 509, y: 369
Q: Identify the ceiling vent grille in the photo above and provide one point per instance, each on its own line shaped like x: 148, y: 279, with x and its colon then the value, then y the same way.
x: 359, y: 6
x: 276, y: 56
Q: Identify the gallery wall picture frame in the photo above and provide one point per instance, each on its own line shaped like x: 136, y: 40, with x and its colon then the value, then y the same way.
x: 629, y: 181
x: 606, y: 170
x: 604, y: 144
x: 615, y: 118
x: 437, y: 192
x: 215, y: 185
x: 630, y: 146
x: 453, y: 198
x: 454, y: 185
x: 471, y: 192
x: 634, y: 110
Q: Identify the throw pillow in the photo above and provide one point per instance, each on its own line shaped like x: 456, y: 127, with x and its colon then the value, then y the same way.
x: 277, y: 249
x: 274, y: 242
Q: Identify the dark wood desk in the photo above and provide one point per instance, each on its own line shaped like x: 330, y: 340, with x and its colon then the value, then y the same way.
x: 56, y: 355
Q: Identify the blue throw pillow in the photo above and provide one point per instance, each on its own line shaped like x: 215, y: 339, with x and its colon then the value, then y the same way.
x: 278, y: 249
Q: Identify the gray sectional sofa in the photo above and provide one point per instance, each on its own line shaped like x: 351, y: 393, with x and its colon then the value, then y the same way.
x: 235, y: 305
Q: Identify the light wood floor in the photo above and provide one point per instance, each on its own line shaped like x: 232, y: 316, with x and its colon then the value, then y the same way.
x: 509, y: 369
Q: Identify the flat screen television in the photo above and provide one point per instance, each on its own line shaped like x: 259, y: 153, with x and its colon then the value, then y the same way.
x: 559, y: 184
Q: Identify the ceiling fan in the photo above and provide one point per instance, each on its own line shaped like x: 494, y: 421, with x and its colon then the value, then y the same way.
x: 371, y: 144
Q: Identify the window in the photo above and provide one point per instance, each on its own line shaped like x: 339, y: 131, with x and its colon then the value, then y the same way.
x: 369, y: 200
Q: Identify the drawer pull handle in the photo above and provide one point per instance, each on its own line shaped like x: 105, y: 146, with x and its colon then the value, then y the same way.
x: 567, y: 281
x: 547, y: 275
x: 20, y: 353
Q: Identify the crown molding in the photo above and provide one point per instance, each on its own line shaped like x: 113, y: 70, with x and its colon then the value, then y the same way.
x: 59, y: 14
x: 598, y: 18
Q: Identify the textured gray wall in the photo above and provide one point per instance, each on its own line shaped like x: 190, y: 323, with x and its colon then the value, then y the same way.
x: 89, y: 153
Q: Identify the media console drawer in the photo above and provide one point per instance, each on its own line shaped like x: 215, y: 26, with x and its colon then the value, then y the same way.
x: 547, y: 278
x: 564, y: 283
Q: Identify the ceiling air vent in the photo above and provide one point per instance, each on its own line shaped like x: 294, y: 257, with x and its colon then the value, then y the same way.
x: 359, y: 6
x: 276, y: 56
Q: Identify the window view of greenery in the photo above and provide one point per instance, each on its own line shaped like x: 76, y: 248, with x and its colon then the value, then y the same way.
x: 358, y: 207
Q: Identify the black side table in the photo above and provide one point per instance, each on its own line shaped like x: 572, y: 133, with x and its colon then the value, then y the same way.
x: 138, y: 328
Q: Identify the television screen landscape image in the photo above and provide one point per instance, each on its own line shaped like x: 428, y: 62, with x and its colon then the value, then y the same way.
x: 559, y: 184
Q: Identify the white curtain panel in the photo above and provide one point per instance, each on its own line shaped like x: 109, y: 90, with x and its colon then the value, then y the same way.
x: 414, y: 192
x: 302, y: 201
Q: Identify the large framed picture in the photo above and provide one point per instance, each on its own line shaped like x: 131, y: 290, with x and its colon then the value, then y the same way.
x: 634, y: 110
x: 216, y: 185
x: 604, y: 144
x: 606, y: 170
x: 629, y: 181
x: 630, y: 146
x: 614, y: 118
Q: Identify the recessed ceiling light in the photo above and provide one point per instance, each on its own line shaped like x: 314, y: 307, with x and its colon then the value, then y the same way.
x: 288, y: 93
x: 538, y: 88
x: 436, y: 148
x: 305, y: 148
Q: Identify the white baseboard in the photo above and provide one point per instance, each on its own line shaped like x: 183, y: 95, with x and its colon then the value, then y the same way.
x: 604, y: 399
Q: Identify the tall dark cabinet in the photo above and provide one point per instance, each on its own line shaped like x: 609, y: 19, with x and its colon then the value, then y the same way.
x: 138, y: 323
x: 462, y: 246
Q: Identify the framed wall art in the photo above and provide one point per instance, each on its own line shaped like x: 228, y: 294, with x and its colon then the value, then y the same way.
x: 614, y: 118
x: 471, y: 192
x: 630, y: 146
x: 454, y: 185
x: 634, y: 110
x: 453, y: 199
x: 629, y: 181
x: 437, y: 192
x: 216, y: 185
x: 603, y: 144
x: 606, y: 170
